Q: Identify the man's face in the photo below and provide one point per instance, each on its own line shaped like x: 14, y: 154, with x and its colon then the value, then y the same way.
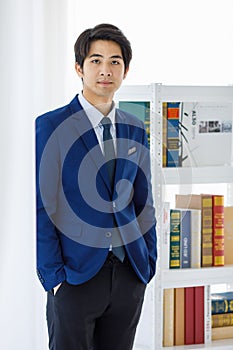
x: 103, y: 71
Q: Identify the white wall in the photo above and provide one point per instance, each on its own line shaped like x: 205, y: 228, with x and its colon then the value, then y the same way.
x: 174, y: 42
x: 20, y: 297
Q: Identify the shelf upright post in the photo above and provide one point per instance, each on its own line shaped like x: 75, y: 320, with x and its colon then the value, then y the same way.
x: 156, y: 163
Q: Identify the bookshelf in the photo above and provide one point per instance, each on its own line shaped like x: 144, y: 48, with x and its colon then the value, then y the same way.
x: 150, y: 330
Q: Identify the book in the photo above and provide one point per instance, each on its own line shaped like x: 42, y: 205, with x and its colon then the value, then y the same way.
x: 188, y: 201
x: 222, y: 303
x: 222, y: 320
x: 218, y: 230
x: 207, y: 231
x: 168, y: 317
x: 199, y: 308
x: 201, y: 202
x: 189, y: 315
x: 185, y: 239
x: 140, y: 109
x: 222, y: 333
x: 195, y: 238
x: 208, y: 129
x: 179, y: 316
x: 228, y: 235
x: 175, y: 216
x: 164, y: 134
x: 173, y: 134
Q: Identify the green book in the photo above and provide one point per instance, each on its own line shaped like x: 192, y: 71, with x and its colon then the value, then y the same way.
x: 140, y: 109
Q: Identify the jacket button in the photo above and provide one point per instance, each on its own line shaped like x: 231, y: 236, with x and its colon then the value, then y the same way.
x: 108, y: 234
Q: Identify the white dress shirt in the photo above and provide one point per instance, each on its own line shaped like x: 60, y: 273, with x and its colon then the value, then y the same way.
x: 95, y: 117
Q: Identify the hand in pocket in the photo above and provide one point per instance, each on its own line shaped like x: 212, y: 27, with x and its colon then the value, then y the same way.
x: 55, y: 289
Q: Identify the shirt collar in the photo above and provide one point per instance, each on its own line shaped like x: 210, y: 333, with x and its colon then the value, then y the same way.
x: 93, y: 114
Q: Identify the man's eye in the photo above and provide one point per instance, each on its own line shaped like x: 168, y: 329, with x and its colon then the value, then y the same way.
x: 96, y: 61
x: 115, y: 62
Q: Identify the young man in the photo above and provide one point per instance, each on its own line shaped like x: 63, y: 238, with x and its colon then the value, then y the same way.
x: 96, y: 238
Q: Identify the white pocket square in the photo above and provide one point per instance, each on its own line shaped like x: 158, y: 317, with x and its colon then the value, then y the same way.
x: 131, y: 150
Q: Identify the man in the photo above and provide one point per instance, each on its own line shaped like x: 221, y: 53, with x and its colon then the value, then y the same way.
x: 96, y: 238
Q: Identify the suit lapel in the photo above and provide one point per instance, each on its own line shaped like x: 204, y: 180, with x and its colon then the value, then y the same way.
x: 89, y: 139
x: 87, y: 134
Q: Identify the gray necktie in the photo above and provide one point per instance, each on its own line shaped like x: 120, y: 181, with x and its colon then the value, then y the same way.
x: 109, y: 154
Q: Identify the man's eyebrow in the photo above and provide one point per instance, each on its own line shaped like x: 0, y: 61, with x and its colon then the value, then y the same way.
x: 117, y: 56
x: 98, y: 55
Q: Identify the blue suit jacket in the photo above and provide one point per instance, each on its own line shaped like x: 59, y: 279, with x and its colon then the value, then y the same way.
x: 76, y: 208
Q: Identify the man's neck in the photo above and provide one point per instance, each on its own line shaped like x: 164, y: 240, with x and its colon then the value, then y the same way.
x: 104, y: 104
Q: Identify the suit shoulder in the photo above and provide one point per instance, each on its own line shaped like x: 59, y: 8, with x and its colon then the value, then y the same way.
x: 58, y: 115
x: 55, y: 116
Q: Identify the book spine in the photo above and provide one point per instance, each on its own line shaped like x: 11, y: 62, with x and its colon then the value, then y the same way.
x: 185, y: 239
x: 221, y: 306
x: 207, y: 231
x: 147, y: 120
x: 222, y: 333
x: 222, y: 320
x: 168, y: 317
x: 189, y: 315
x: 199, y: 296
x: 207, y: 315
x: 218, y: 230
x: 179, y: 317
x: 164, y: 135
x: 173, y: 134
x: 175, y: 215
x: 228, y: 235
x: 195, y: 238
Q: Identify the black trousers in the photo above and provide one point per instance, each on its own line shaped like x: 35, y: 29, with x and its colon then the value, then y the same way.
x: 101, y: 314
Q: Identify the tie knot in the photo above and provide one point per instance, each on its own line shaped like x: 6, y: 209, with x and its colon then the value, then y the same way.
x: 106, y: 122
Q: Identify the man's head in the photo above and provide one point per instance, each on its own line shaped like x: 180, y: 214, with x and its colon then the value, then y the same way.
x: 102, y: 32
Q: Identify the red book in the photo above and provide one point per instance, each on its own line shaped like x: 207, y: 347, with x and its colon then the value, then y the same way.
x: 199, y: 315
x: 218, y: 230
x: 189, y: 315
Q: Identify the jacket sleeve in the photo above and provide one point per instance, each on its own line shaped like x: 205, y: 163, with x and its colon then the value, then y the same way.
x: 50, y: 265
x: 144, y: 204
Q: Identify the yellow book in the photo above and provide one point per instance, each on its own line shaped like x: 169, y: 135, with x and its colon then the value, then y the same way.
x: 168, y: 317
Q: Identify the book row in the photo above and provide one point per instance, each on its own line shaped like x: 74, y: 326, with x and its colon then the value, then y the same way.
x: 193, y: 133
x: 196, y: 133
x: 197, y: 231
x: 183, y: 316
x: 191, y: 315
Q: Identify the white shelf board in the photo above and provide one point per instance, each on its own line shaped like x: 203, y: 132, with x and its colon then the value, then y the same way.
x: 134, y: 93
x: 227, y: 344
x: 197, y: 175
x: 175, y: 278
x: 196, y: 93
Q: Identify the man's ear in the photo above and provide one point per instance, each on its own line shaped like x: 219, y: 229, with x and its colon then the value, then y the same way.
x: 79, y: 70
x: 126, y: 72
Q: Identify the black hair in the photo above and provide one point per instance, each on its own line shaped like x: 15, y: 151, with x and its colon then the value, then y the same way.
x: 102, y: 31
